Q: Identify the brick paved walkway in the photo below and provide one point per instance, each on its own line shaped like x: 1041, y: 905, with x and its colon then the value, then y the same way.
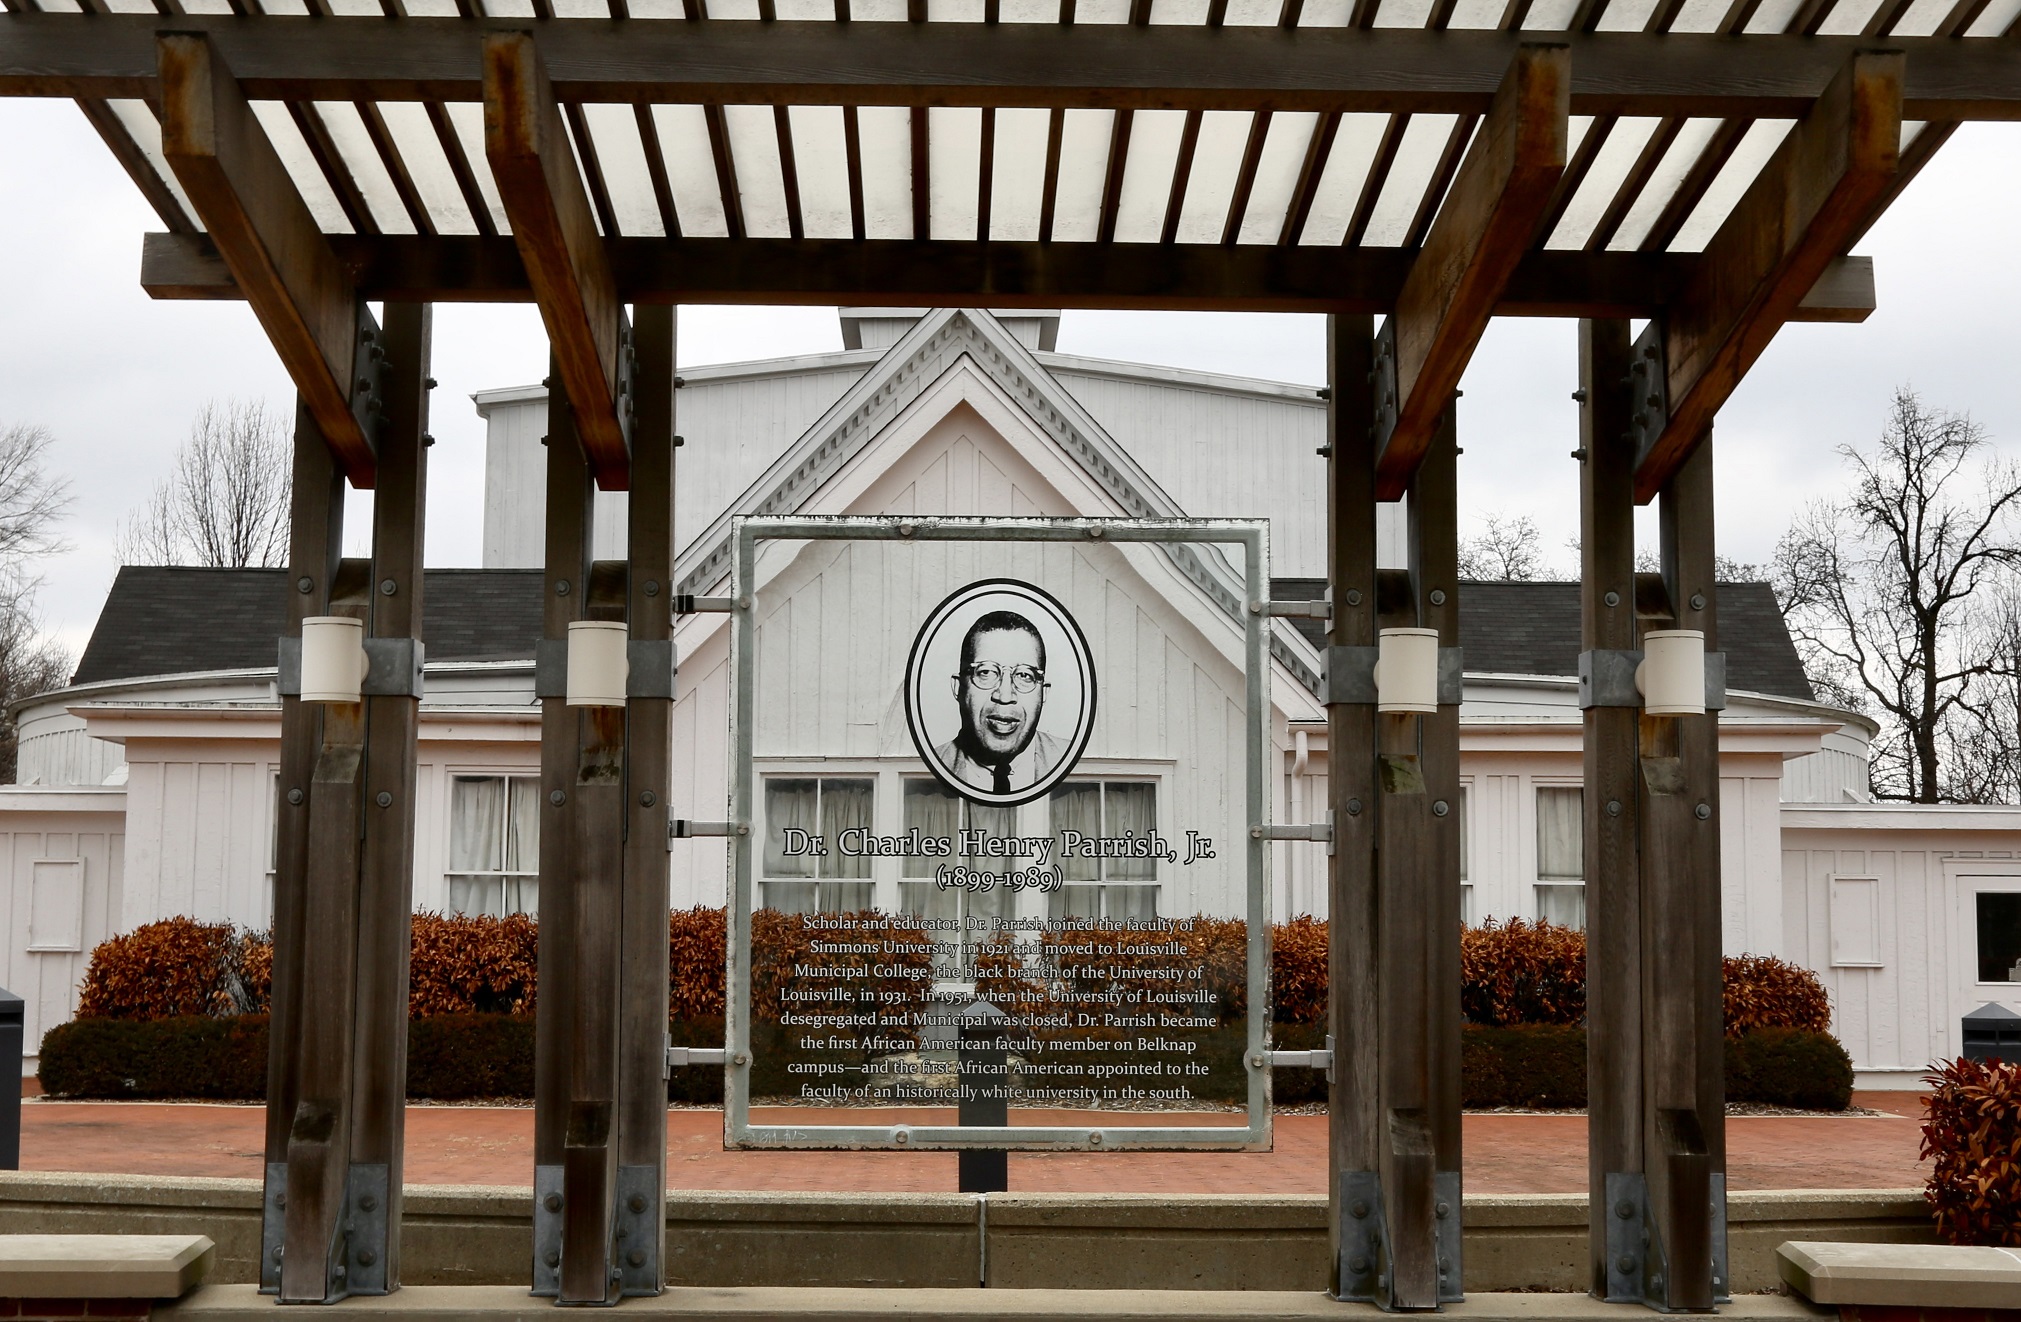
x: 494, y: 1145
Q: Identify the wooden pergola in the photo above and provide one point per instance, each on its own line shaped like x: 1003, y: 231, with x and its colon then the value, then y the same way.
x: 1704, y: 164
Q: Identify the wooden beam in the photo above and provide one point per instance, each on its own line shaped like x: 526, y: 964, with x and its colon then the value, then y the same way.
x: 556, y: 234
x: 957, y: 273
x: 1815, y: 194
x: 263, y: 231
x: 1384, y: 70
x: 1489, y: 219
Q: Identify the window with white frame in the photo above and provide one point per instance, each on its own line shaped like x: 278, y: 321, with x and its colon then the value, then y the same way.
x: 494, y: 845
x: 1561, y: 855
x: 1104, y: 887
x: 800, y: 876
x: 934, y: 810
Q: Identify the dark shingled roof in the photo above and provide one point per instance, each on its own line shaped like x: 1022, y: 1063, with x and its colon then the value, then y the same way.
x: 1533, y: 629
x: 172, y: 620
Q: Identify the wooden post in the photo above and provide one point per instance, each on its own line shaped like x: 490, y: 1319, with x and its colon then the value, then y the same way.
x: 316, y: 526
x: 1393, y: 1002
x: 642, y: 1068
x: 1354, y: 1127
x: 600, y: 1080
x: 564, y: 585
x: 344, y: 883
x: 1613, y: 818
x: 1655, y: 1074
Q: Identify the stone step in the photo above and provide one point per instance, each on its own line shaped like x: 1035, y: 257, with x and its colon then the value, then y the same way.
x: 101, y: 1266
x: 1926, y: 1276
x: 497, y: 1303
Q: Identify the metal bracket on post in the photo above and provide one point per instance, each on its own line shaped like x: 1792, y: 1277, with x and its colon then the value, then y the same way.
x: 365, y: 1225
x: 368, y: 395
x: 1364, y: 1239
x: 1384, y: 378
x: 1350, y: 676
x: 624, y: 393
x: 651, y: 667
x: 682, y: 1057
x: 686, y: 603
x: 1649, y: 389
x: 1320, y: 609
x: 1632, y: 1243
x: 680, y: 828
x: 1319, y: 831
x: 635, y: 1243
x: 550, y: 668
x: 1452, y: 676
x: 288, y: 669
x: 1446, y: 1227
x: 547, y: 1230
x: 273, y: 1223
x: 1715, y: 681
x: 1303, y: 1060
x: 392, y: 667
x: 1607, y: 678
x: 1722, y: 1288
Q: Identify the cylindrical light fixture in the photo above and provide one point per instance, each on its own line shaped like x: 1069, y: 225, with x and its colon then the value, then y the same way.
x: 1671, y: 677
x: 597, y: 663
x: 333, y: 659
x: 1407, y: 671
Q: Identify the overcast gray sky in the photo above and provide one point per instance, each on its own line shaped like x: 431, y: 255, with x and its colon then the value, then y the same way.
x: 117, y: 377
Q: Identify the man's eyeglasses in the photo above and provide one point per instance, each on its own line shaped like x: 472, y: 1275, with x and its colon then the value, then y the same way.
x: 990, y: 675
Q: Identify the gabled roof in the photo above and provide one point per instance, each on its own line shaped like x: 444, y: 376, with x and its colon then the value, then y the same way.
x: 1533, y: 629
x: 173, y: 620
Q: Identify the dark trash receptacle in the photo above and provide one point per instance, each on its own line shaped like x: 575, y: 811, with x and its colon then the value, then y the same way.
x: 12, y: 1012
x: 1992, y: 1032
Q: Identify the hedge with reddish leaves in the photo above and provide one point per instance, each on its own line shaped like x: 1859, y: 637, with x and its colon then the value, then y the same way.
x: 1972, y: 1134
x: 177, y: 966
x: 1522, y: 972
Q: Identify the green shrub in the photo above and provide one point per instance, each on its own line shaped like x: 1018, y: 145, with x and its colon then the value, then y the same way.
x: 1789, y: 1067
x: 1532, y: 1065
x: 1972, y: 1137
x: 184, y: 1056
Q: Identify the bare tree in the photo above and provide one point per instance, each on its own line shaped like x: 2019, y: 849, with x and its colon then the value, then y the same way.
x: 226, y: 503
x: 1987, y: 735
x: 32, y: 503
x: 1507, y: 550
x: 1888, y: 592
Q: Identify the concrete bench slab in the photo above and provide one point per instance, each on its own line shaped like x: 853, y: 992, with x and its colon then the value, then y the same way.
x: 102, y: 1266
x: 1915, y: 1275
x: 498, y: 1303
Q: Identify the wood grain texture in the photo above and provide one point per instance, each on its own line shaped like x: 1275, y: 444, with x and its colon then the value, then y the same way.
x: 1381, y: 70
x: 262, y: 228
x: 1354, y: 1129
x: 948, y: 273
x: 1486, y: 224
x: 1814, y: 195
x: 556, y: 233
x: 1612, y: 839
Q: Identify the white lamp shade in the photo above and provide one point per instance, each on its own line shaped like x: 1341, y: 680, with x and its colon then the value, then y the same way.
x: 333, y: 659
x: 1671, y: 677
x: 597, y: 663
x: 1407, y: 671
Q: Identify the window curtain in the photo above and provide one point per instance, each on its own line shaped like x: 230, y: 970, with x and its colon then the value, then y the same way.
x: 845, y: 804
x: 997, y: 824
x: 1561, y: 844
x: 788, y: 803
x: 935, y: 812
x: 1077, y: 808
x: 476, y: 824
x: 1131, y: 809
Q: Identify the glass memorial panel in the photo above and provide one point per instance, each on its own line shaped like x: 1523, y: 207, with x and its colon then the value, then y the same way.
x: 992, y: 773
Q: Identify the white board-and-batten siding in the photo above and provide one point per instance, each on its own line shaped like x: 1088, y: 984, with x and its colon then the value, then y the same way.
x: 1881, y: 902
x: 62, y: 861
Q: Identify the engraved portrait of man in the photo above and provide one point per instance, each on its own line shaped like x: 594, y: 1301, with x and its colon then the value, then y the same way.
x: 1001, y: 691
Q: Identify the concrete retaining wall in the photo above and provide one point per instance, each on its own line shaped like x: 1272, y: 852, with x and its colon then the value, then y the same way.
x: 461, y: 1235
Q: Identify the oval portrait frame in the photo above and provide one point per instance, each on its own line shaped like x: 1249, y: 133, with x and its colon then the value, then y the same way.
x: 1033, y: 599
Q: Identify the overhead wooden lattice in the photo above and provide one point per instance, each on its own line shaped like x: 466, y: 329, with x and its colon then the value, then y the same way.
x: 654, y: 167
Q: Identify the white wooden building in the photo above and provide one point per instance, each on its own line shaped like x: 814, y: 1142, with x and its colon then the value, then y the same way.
x: 148, y: 785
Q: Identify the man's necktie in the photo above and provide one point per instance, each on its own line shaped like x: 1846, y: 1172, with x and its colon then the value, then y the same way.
x: 1001, y: 785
